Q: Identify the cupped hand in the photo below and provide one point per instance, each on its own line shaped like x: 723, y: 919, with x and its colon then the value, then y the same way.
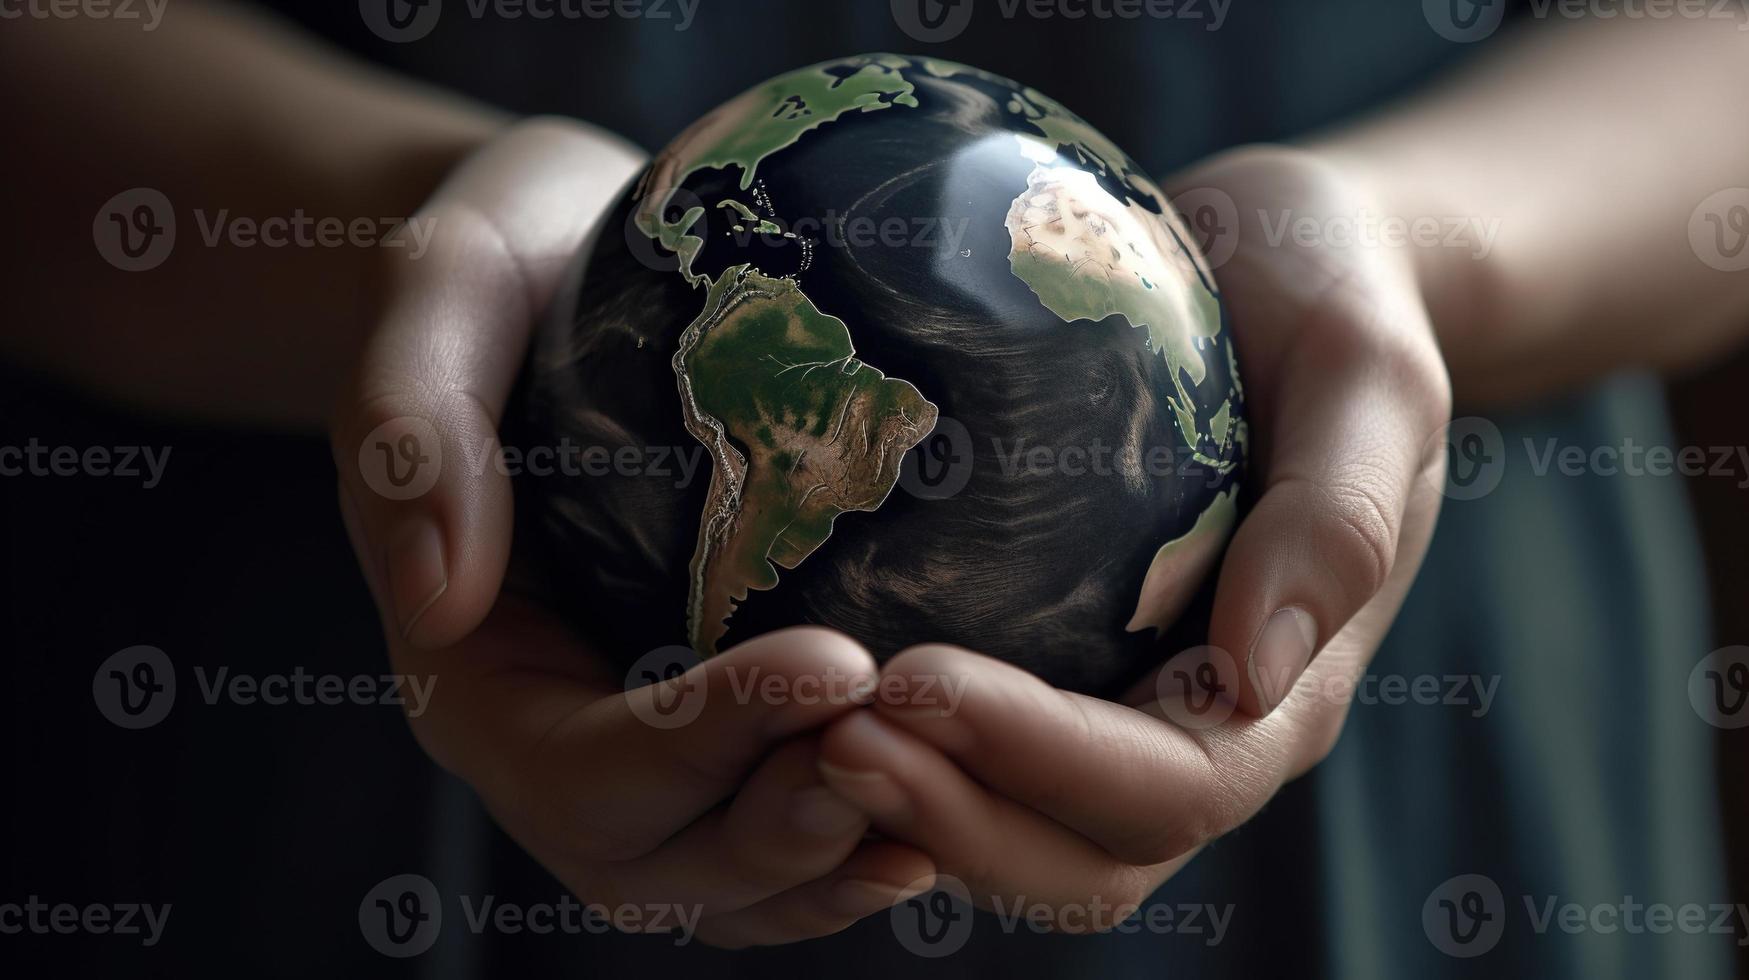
x: 1028, y: 793
x: 725, y: 816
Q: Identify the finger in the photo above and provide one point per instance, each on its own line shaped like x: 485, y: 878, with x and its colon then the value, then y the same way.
x: 877, y: 876
x: 1332, y: 677
x: 572, y: 764
x: 415, y: 441
x: 784, y: 828
x: 1361, y: 390
x: 999, y: 848
x: 1144, y: 790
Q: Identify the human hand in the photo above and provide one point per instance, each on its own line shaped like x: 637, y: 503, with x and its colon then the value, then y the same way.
x: 1024, y: 791
x: 725, y: 816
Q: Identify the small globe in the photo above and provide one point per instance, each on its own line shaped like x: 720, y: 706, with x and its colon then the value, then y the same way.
x: 896, y: 346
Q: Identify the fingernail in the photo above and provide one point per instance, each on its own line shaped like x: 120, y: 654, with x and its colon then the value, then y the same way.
x: 855, y: 896
x: 416, y: 571
x: 823, y: 813
x: 1282, y: 652
x: 873, y: 792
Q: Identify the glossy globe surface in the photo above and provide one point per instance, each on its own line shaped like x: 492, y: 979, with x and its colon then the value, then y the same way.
x: 897, y: 346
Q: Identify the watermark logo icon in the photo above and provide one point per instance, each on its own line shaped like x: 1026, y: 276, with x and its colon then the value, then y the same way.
x: 939, y: 467
x: 135, y: 231
x: 1213, y: 221
x: 1475, y: 454
x: 1465, y: 916
x: 400, y: 21
x: 1718, y: 687
x: 1198, y: 688
x: 401, y: 458
x: 1718, y: 230
x: 936, y: 923
x: 676, y: 695
x: 932, y: 21
x: 135, y: 688
x: 401, y: 916
x: 1464, y: 21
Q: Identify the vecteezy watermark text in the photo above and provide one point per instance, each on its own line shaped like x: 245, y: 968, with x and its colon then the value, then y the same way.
x: 123, y: 462
x: 573, y: 459
x: 300, y: 230
x: 1632, y: 459
x: 402, y: 915
x: 405, y: 21
x: 136, y: 687
x: 41, y: 918
x: 667, y: 689
x: 147, y: 13
x: 838, y: 231
x: 1468, y: 21
x: 136, y: 230
x: 1477, y: 456
x: 1466, y: 916
x: 1369, y: 229
x: 410, y: 691
x: 938, y: 921
x: 937, y: 21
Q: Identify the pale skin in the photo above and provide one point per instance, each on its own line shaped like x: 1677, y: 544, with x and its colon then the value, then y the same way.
x: 760, y: 812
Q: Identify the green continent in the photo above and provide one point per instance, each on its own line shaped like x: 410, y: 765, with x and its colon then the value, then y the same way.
x: 799, y: 430
x: 754, y: 125
x: 792, y: 104
x: 1087, y: 254
x: 1184, y: 563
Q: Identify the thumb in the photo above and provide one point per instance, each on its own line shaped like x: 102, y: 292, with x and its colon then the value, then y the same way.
x: 427, y: 501
x: 1346, y: 457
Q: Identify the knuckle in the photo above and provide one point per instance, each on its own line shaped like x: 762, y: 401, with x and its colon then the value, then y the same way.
x: 1360, y: 531
x: 1352, y: 526
x: 1418, y: 374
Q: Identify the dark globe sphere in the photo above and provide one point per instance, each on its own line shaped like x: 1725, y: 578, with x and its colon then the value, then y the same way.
x: 896, y: 346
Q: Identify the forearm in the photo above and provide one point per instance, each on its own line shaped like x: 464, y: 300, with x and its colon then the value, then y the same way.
x: 1587, y: 147
x: 236, y: 121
